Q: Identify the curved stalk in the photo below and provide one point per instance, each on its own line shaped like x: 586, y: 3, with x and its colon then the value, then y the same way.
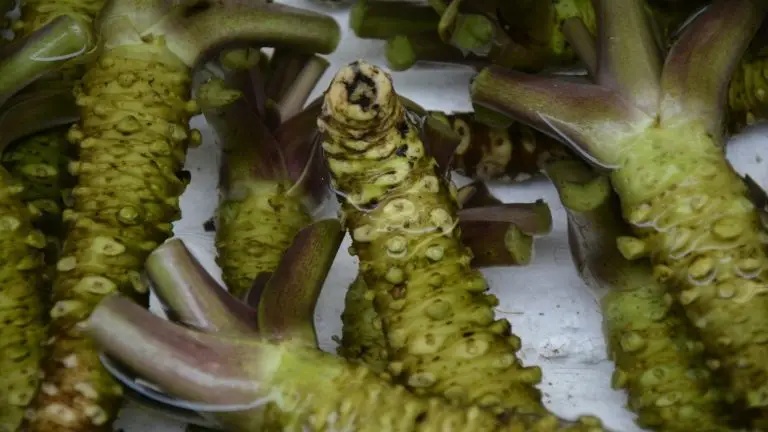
x: 192, y: 31
x: 298, y: 381
x: 292, y: 101
x: 191, y: 296
x: 577, y: 34
x: 707, y: 45
x: 287, y: 304
x: 588, y: 118
x: 45, y: 50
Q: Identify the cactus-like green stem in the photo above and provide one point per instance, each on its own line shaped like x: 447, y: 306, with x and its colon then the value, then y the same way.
x: 258, y: 218
x: 402, y: 217
x: 190, y: 295
x: 45, y: 50
x: 658, y: 356
x: 132, y: 137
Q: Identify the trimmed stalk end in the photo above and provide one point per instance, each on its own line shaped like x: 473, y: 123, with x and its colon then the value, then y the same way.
x: 400, y: 53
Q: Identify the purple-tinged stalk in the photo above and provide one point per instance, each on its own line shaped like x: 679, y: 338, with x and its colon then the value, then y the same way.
x: 659, y: 129
x: 260, y: 210
x: 309, y: 389
x: 658, y: 357
x: 48, y: 49
x: 132, y: 140
x: 191, y: 296
x: 283, y: 308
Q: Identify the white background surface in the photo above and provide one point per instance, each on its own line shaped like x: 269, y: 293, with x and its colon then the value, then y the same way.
x: 549, y: 307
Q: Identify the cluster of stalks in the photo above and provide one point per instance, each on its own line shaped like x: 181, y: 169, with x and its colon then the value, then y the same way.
x: 95, y: 102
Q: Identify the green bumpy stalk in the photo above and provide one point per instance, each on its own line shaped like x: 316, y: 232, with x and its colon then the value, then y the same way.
x: 361, y: 335
x: 435, y: 312
x: 438, y: 320
x: 22, y: 314
x: 254, y: 230
x: 132, y: 139
x: 658, y: 357
x: 705, y: 235
x: 40, y: 163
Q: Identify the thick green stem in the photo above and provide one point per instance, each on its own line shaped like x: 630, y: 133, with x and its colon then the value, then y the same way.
x: 45, y: 50
x: 434, y: 308
x: 628, y: 57
x: 403, y: 51
x: 191, y: 296
x: 292, y: 100
x: 658, y: 357
x: 371, y: 19
x: 697, y: 72
x: 32, y: 112
x: 588, y: 118
x: 287, y: 304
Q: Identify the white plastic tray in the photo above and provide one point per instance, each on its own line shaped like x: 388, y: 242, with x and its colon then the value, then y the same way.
x: 549, y: 307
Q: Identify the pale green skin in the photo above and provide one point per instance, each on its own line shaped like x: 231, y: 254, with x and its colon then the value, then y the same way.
x: 441, y: 310
x: 254, y: 231
x: 659, y: 361
x: 437, y: 316
x: 132, y: 141
x: 658, y: 358
x: 22, y: 315
x: 40, y: 163
x: 692, y: 212
x: 361, y: 335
